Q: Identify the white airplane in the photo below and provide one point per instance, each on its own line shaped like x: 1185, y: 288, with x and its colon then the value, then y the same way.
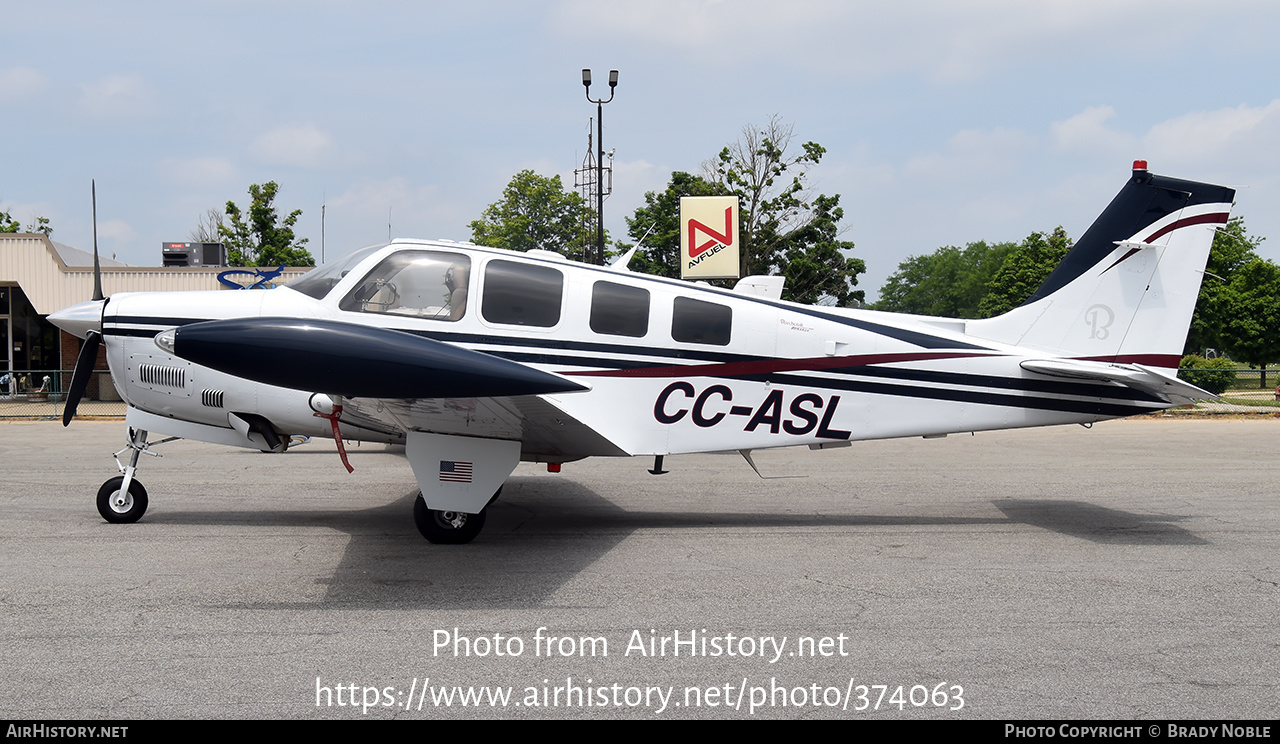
x: 476, y: 358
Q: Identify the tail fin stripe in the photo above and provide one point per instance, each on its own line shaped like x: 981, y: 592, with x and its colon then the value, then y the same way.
x: 1200, y: 219
x: 1121, y: 259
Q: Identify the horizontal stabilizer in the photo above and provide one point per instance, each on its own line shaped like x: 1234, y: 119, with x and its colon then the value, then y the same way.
x: 351, y: 360
x: 1134, y: 376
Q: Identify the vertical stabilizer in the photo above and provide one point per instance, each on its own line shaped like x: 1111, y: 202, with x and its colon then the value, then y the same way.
x: 1126, y: 291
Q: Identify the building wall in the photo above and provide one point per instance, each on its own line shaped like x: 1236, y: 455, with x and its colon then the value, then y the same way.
x: 40, y: 282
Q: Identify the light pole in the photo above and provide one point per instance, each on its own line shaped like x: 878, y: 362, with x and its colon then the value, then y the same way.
x: 599, y: 102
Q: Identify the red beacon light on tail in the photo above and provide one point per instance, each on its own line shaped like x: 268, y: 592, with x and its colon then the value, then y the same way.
x: 1140, y: 165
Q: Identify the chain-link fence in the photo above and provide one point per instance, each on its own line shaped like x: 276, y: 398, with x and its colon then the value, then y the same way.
x: 42, y: 393
x: 1256, y: 378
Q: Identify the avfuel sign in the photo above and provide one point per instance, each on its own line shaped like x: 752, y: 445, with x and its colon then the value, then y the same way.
x: 709, y: 245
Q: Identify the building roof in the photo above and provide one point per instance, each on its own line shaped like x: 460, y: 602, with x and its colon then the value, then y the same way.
x: 74, y: 257
x: 54, y: 276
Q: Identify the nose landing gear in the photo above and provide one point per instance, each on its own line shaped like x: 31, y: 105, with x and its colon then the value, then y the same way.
x: 123, y: 500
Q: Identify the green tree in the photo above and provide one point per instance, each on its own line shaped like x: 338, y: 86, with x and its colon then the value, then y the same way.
x: 780, y: 230
x: 41, y: 225
x: 10, y: 225
x: 536, y: 212
x: 756, y: 169
x: 950, y: 282
x: 812, y: 258
x: 656, y: 225
x: 1213, y: 375
x: 1023, y: 270
x: 1232, y: 249
x: 1249, y: 311
x: 264, y: 239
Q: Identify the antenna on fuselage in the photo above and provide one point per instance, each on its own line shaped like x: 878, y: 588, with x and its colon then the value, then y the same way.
x: 621, y: 263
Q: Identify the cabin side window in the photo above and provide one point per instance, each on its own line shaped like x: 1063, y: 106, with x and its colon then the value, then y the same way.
x: 416, y: 284
x: 698, y: 322
x: 522, y: 294
x: 619, y: 310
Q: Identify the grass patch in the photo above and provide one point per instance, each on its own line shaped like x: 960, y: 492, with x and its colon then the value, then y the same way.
x: 1240, y: 401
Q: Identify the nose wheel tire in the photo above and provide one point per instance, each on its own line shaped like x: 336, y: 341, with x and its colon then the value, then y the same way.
x: 445, y: 527
x: 118, y: 507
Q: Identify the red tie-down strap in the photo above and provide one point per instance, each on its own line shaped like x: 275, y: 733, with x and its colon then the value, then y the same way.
x: 337, y: 435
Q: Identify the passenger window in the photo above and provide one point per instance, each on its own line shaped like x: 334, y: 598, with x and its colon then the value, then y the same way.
x: 522, y: 294
x: 619, y: 310
x: 698, y: 322
x: 417, y: 284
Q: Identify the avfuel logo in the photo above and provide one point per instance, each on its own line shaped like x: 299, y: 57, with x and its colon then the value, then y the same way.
x: 709, y: 243
x: 799, y: 415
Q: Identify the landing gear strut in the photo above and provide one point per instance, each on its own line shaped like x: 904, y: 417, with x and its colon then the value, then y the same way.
x: 446, y: 527
x: 123, y: 500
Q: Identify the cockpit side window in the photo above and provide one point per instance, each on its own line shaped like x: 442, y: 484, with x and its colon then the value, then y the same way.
x: 522, y: 294
x: 698, y: 322
x: 415, y: 284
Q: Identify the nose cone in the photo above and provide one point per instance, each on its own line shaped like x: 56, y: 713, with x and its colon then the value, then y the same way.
x: 78, y: 320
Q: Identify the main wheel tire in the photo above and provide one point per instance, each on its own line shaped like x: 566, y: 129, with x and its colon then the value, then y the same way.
x: 446, y: 527
x: 122, y: 508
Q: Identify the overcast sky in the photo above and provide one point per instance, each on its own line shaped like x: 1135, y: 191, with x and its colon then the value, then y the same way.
x: 944, y: 122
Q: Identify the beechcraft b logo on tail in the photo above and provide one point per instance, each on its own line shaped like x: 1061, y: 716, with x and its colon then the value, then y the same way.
x: 709, y: 237
x: 1099, y: 318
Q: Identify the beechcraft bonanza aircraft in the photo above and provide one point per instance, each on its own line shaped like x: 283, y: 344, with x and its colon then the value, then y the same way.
x: 476, y: 359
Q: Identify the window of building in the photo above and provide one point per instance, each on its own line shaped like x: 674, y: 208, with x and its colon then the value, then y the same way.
x: 619, y: 310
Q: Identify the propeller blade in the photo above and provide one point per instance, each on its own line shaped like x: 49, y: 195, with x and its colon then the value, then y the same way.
x: 80, y: 377
x: 97, y: 270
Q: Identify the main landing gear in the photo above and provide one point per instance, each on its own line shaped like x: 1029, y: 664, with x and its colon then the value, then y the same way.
x: 448, y: 527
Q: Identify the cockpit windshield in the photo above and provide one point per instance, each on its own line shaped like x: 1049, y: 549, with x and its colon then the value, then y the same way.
x: 316, y: 284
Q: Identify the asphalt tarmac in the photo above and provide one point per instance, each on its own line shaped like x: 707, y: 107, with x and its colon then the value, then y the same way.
x: 1130, y: 571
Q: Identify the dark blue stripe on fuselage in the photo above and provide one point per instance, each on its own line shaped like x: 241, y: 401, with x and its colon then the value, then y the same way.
x: 601, y: 361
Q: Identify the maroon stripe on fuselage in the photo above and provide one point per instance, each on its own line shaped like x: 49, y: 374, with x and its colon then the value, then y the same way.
x: 1168, y: 361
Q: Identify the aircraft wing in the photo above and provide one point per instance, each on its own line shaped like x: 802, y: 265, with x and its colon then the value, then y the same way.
x: 1136, y: 376
x: 543, y: 429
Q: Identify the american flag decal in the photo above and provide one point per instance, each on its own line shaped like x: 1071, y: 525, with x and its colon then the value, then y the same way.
x: 453, y: 471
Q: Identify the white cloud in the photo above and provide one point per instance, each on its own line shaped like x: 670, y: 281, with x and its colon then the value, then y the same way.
x: 301, y: 146
x: 941, y: 40
x: 1244, y: 133
x: 1238, y: 139
x: 1087, y: 132
x: 116, y: 97
x: 117, y: 231
x: 17, y: 83
x: 972, y: 152
x: 196, y: 171
x: 416, y: 211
